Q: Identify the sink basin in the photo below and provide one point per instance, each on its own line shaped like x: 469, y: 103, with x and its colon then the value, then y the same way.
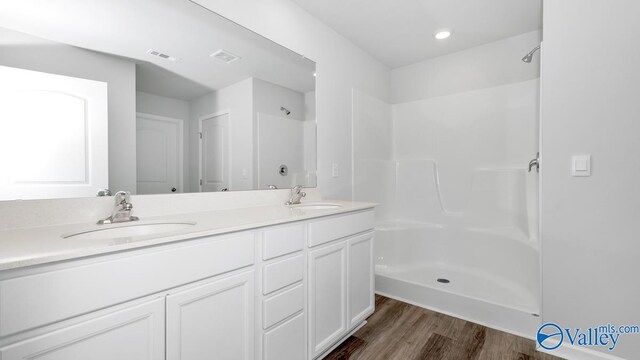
x: 130, y: 230
x: 316, y: 206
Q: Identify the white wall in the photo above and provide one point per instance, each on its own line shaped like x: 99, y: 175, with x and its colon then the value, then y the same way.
x: 485, y: 66
x: 172, y: 108
x: 161, y: 106
x: 590, y: 244
x: 310, y: 138
x: 269, y: 97
x: 31, y: 53
x: 341, y: 66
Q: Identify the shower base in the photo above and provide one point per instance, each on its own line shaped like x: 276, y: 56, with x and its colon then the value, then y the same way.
x: 467, y: 295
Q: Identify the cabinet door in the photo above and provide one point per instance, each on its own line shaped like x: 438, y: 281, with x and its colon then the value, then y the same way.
x: 327, y: 296
x: 360, y: 278
x: 135, y: 333
x: 212, y: 321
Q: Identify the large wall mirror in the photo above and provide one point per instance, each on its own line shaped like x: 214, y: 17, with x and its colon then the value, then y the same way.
x: 149, y: 96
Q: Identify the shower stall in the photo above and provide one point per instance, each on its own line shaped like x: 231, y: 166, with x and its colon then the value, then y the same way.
x: 457, y: 225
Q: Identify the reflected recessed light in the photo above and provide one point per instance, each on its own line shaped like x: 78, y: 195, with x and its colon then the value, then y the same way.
x: 442, y: 34
x: 225, y: 56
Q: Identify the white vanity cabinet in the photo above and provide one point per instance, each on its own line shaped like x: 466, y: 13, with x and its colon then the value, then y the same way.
x: 282, y: 332
x: 285, y: 292
x: 116, y: 306
x: 341, y: 278
x: 327, y: 296
x: 133, y: 333
x: 212, y: 321
x: 360, y: 278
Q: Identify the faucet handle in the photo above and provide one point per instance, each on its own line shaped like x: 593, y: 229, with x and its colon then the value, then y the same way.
x: 122, y: 197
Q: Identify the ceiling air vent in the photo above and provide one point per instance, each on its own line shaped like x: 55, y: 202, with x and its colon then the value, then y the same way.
x: 161, y: 55
x: 225, y: 56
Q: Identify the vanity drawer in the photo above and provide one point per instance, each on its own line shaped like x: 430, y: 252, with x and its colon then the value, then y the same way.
x: 282, y: 273
x: 286, y: 341
x: 281, y: 306
x: 333, y: 228
x: 282, y: 241
x: 66, y: 291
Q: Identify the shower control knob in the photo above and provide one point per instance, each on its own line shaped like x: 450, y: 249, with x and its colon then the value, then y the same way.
x: 173, y: 189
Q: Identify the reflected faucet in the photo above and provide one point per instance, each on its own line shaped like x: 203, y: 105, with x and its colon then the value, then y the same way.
x: 122, y: 212
x: 535, y: 162
x: 104, y: 192
x: 296, y: 195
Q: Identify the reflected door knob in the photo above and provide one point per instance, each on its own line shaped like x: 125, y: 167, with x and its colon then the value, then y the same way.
x: 173, y: 189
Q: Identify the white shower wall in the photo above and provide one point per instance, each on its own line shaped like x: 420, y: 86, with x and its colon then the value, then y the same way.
x: 373, y: 167
x: 460, y: 143
x: 448, y: 164
x: 477, y: 145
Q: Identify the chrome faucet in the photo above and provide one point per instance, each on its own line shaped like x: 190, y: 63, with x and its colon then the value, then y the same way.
x: 104, y: 192
x: 296, y: 195
x: 535, y: 162
x: 122, y: 212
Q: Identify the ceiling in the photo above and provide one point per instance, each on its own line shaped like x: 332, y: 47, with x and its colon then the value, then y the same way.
x: 400, y: 32
x: 181, y: 29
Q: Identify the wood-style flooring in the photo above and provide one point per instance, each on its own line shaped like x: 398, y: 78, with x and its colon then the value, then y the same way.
x: 399, y: 331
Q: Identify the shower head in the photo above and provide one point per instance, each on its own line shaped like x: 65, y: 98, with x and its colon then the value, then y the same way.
x: 285, y: 110
x: 527, y: 58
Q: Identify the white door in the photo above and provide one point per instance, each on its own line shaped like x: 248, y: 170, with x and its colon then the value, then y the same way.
x: 212, y: 321
x: 53, y: 135
x: 327, y: 296
x: 214, y: 153
x: 361, y: 279
x: 135, y: 333
x: 159, y: 149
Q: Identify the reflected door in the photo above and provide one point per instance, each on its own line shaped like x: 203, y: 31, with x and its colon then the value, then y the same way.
x: 53, y: 135
x: 214, y: 153
x: 158, y: 154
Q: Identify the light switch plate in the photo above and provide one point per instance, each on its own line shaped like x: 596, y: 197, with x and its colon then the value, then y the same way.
x: 335, y: 170
x: 581, y: 165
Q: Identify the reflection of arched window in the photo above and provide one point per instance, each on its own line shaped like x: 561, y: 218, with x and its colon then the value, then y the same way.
x: 54, y: 135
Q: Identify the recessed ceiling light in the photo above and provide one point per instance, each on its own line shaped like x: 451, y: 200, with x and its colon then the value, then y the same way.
x: 442, y: 34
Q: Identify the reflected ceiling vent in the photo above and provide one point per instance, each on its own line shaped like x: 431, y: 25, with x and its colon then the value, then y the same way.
x: 225, y: 56
x: 161, y: 55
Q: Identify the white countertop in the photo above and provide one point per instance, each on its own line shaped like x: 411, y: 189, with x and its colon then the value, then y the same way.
x: 41, y: 245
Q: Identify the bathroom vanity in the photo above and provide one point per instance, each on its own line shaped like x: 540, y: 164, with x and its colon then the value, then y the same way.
x: 204, y: 274
x: 269, y: 282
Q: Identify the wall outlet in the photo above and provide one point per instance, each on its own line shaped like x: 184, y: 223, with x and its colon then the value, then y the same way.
x: 335, y: 170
